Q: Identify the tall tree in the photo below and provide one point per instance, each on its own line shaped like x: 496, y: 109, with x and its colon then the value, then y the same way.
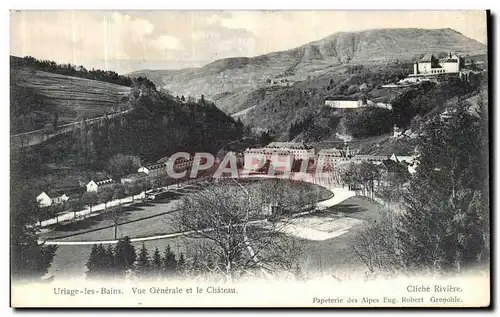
x: 156, y: 263
x: 100, y: 262
x: 443, y: 225
x: 29, y: 260
x: 446, y: 205
x: 124, y: 256
x: 143, y: 265
x: 169, y: 262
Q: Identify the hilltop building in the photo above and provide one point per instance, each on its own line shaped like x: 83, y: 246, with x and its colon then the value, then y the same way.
x: 431, y: 65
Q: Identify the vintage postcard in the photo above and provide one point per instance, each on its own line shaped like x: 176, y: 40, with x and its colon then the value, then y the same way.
x: 249, y: 159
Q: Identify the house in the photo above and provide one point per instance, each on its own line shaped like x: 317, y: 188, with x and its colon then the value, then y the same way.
x: 95, y: 185
x: 156, y: 169
x: 431, y: 65
x: 50, y: 198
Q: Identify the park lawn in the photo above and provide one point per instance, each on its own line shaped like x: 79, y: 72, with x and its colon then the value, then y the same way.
x: 71, y: 259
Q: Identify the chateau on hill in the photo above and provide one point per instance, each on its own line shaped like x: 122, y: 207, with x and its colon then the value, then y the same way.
x: 431, y: 65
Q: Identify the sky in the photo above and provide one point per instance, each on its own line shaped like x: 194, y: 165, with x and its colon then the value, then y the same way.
x: 125, y: 41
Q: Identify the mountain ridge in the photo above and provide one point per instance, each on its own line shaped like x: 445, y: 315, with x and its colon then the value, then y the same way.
x: 231, y: 82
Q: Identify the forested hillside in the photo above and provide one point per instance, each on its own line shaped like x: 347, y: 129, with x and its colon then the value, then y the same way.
x: 158, y: 126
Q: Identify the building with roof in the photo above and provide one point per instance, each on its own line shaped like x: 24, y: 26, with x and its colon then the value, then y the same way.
x: 431, y: 65
x: 331, y: 157
x: 153, y: 170
x: 300, y: 151
x: 49, y: 198
x: 96, y: 185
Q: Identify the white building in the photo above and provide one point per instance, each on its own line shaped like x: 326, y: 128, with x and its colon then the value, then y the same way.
x: 354, y: 103
x: 300, y: 151
x: 330, y: 157
x: 156, y: 169
x: 95, y: 185
x: 344, y: 104
x: 431, y: 65
x: 48, y: 199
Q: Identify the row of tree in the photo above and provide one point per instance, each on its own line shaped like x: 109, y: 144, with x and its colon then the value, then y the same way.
x: 71, y: 70
x: 123, y: 260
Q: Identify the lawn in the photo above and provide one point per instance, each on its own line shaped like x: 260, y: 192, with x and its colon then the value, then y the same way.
x: 330, y: 256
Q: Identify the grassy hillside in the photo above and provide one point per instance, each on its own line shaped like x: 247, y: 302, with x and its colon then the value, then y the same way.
x: 36, y: 96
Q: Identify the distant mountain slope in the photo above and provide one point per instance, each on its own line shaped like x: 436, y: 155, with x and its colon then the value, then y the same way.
x: 231, y: 81
x: 37, y: 96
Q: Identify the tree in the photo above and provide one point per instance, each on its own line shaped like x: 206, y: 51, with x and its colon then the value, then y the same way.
x: 55, y: 121
x: 169, y: 262
x: 90, y: 199
x: 443, y: 225
x: 156, y: 263
x: 133, y: 190
x: 446, y: 205
x: 223, y: 215
x: 100, y: 263
x: 181, y: 264
x: 105, y: 195
x: 29, y: 260
x: 124, y: 256
x: 143, y: 265
x: 76, y: 205
x: 120, y: 165
x: 119, y: 193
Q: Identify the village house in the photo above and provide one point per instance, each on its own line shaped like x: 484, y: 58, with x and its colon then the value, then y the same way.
x: 49, y: 198
x: 96, y: 185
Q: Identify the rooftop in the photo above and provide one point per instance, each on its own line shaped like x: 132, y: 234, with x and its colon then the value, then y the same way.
x: 427, y: 58
x: 288, y: 145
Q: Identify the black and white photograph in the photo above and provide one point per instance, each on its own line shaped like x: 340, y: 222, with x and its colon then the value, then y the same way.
x: 186, y: 158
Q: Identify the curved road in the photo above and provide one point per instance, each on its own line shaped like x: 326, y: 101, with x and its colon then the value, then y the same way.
x: 339, y: 195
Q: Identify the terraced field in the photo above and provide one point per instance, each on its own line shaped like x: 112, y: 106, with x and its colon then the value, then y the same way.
x: 72, y: 97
